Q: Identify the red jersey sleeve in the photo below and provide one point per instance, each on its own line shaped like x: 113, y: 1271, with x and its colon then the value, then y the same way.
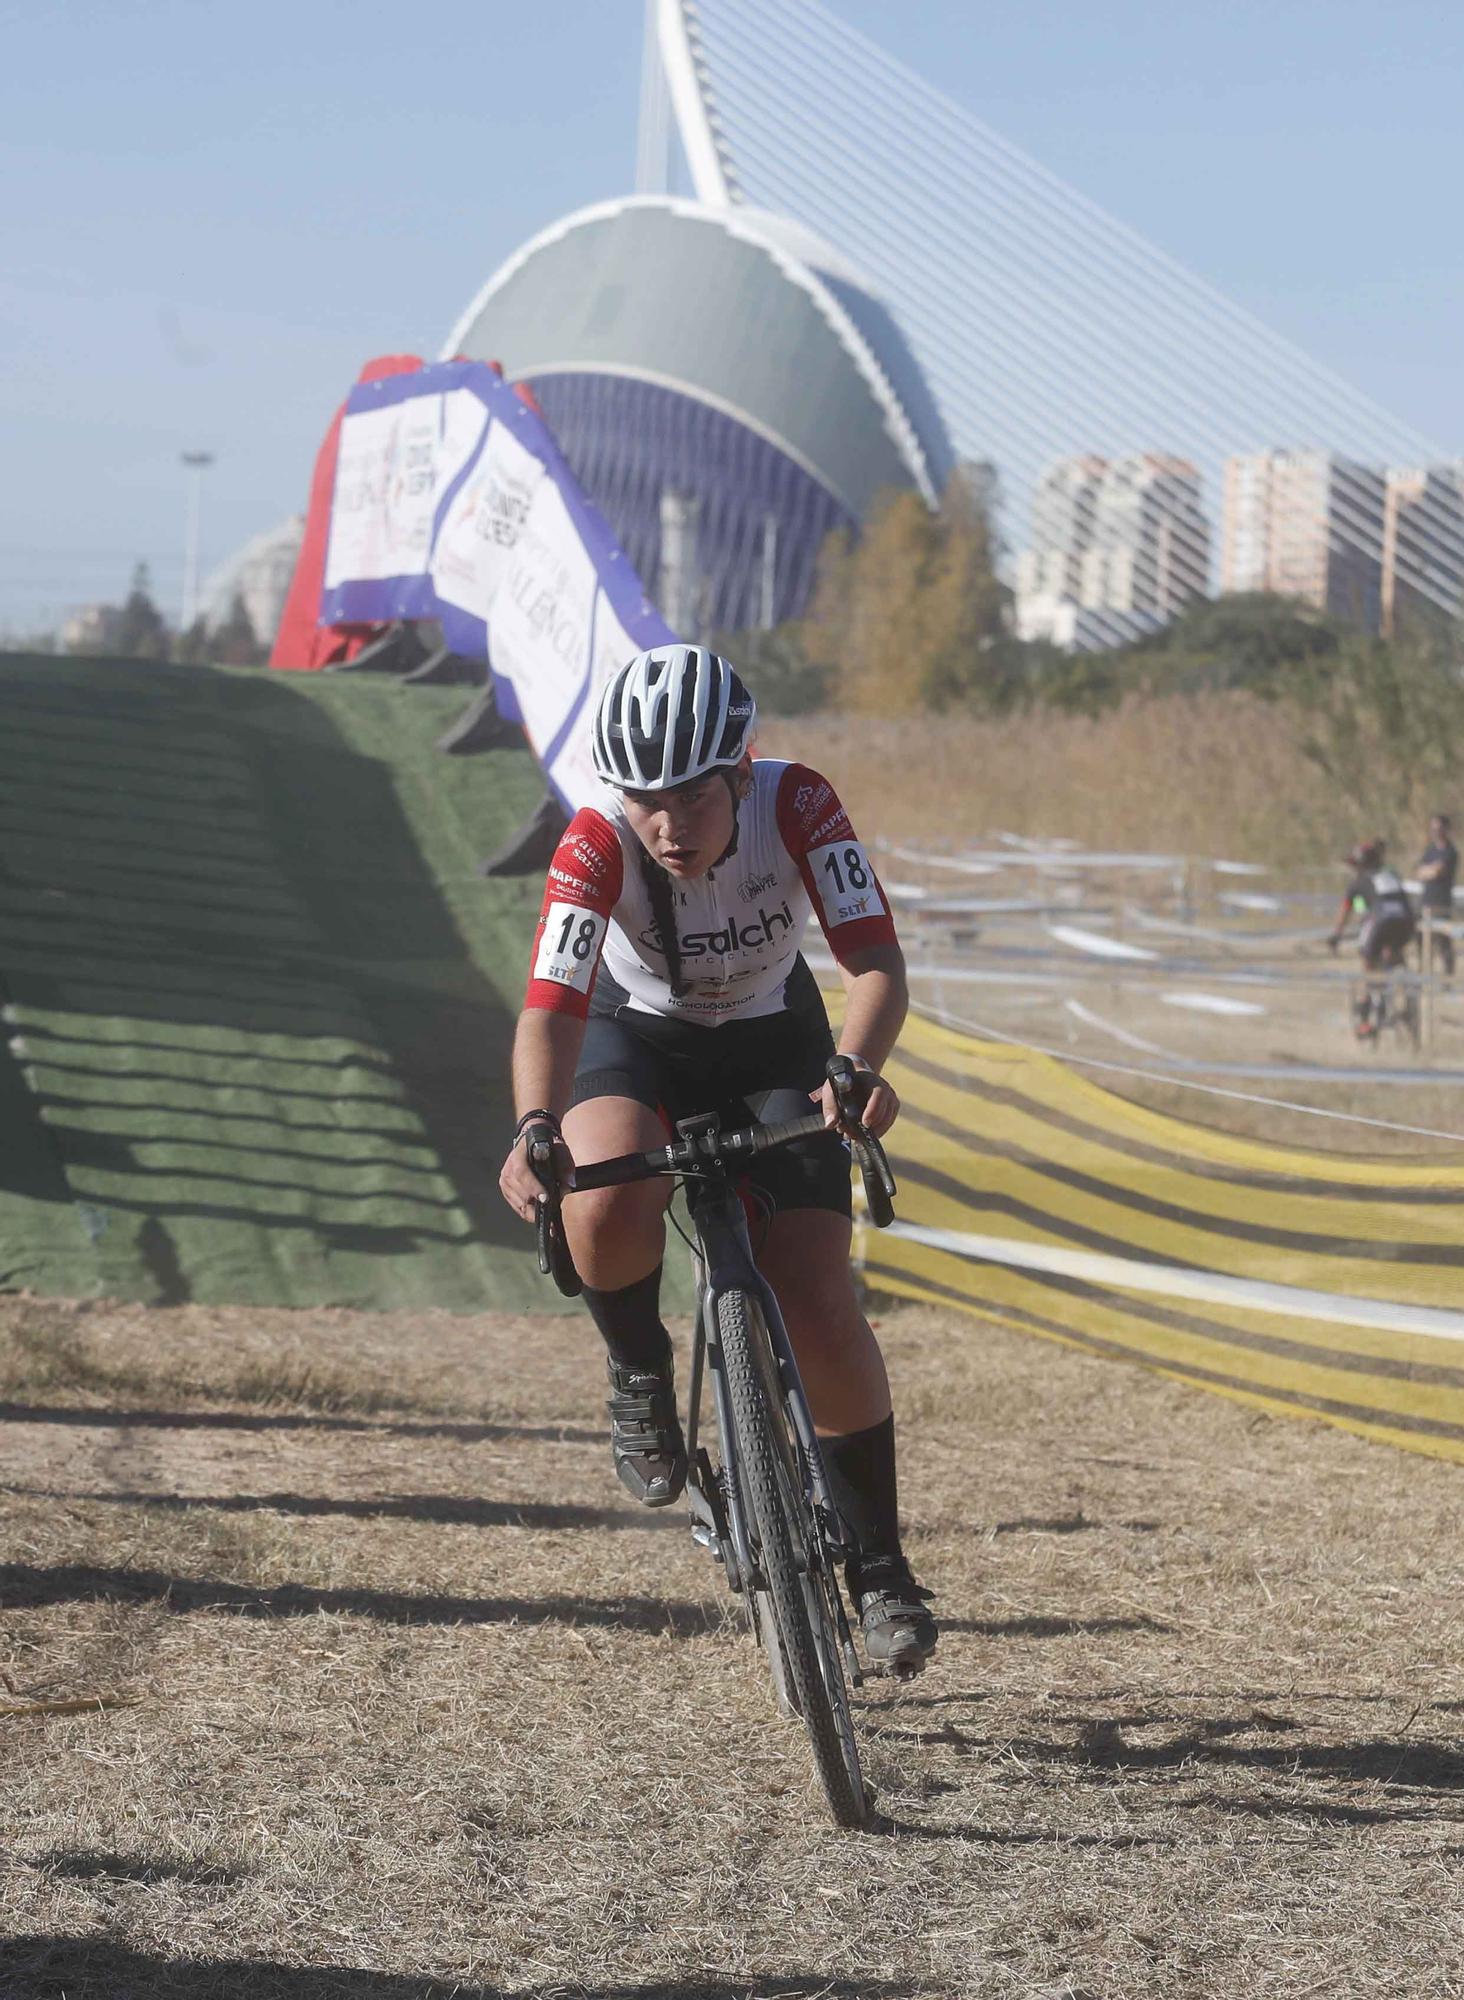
x: 834, y: 864
x: 583, y: 887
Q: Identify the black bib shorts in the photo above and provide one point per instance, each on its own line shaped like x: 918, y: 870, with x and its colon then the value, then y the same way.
x: 743, y: 1070
x: 1385, y: 932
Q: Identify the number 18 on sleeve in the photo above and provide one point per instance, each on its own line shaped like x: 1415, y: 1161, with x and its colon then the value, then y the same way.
x: 569, y: 945
x: 845, y: 882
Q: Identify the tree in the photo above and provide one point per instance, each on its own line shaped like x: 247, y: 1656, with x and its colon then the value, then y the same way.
x: 968, y: 608
x: 904, y: 616
x: 191, y: 648
x: 235, y: 644
x: 1251, y: 639
x: 774, y: 665
x: 1386, y: 725
x: 141, y: 633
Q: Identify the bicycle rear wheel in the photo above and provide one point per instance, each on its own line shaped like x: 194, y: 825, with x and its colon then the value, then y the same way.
x: 791, y: 1555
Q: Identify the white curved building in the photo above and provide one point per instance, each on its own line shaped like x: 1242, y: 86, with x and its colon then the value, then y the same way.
x: 725, y: 386
x: 260, y: 573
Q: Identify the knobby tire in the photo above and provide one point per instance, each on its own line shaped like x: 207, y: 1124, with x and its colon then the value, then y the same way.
x: 762, y: 1463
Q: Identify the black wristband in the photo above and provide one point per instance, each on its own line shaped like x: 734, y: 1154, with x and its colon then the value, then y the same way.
x: 540, y: 1117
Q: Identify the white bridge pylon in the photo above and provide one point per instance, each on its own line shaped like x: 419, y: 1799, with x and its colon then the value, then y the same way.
x: 1046, y: 328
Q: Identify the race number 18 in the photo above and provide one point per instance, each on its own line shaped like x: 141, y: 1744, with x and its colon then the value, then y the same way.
x: 845, y: 882
x: 569, y: 945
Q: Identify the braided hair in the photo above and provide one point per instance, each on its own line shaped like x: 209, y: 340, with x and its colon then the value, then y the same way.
x: 663, y: 916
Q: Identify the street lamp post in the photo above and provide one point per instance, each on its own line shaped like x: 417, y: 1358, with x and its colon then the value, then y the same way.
x: 196, y: 463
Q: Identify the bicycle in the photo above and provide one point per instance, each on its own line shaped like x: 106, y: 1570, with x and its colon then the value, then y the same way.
x: 765, y: 1512
x: 1386, y: 999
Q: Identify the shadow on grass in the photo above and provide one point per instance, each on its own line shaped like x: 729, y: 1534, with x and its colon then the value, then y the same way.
x: 42, y: 1036
x: 211, y: 857
x: 1315, y: 1812
x: 445, y: 1509
x: 1037, y: 1627
x: 1392, y: 1761
x: 1069, y: 1524
x: 93, y: 1969
x: 31, y: 1587
x: 1024, y: 1836
x: 84, y: 1864
x: 109, y: 1417
x: 1101, y: 1751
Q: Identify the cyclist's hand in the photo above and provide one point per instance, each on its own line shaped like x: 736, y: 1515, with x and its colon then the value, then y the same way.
x: 520, y: 1186
x: 881, y: 1105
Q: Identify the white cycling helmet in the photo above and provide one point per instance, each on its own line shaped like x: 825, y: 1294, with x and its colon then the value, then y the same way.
x: 669, y: 716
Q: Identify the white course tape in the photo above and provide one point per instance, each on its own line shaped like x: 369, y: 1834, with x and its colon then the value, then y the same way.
x: 1212, y: 1003
x: 1096, y: 945
x: 1091, y: 1020
x: 1209, y: 1287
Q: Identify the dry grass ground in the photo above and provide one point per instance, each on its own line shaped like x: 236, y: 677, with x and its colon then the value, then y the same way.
x: 390, y: 1695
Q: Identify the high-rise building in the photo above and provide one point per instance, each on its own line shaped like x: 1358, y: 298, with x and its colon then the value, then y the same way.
x: 1423, y: 545
x: 1150, y: 548
x: 1064, y: 508
x: 1305, y: 524
x: 1127, y: 542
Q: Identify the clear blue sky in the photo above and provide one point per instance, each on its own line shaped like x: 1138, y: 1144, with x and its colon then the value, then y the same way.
x: 213, y: 215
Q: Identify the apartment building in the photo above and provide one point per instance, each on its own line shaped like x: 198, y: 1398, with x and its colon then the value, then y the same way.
x: 1064, y: 512
x: 1305, y: 524
x: 1423, y: 546
x: 1117, y: 549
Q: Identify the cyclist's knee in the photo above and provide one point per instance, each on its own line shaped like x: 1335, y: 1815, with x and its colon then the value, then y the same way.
x: 619, y: 1224
x: 624, y: 1220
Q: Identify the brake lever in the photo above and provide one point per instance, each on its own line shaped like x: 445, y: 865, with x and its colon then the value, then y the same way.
x: 555, y: 1257
x: 879, y: 1181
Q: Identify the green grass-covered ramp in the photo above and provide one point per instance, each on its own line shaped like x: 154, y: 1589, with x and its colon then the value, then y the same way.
x: 257, y: 998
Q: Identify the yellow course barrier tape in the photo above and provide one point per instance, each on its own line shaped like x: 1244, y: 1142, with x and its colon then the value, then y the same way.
x: 1295, y: 1280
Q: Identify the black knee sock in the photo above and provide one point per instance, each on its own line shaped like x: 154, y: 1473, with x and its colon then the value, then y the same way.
x: 630, y: 1323
x: 861, y: 1470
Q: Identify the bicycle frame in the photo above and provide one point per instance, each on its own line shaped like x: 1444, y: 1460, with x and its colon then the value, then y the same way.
x: 725, y: 1263
x: 767, y: 1513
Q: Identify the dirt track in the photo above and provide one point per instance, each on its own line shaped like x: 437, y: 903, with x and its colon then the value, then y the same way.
x: 402, y: 1700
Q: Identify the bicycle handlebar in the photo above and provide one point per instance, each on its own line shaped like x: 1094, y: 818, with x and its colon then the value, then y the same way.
x: 705, y: 1146
x: 697, y: 1149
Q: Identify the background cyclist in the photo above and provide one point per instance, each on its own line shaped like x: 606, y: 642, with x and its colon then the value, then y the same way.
x: 694, y: 881
x: 1377, y: 897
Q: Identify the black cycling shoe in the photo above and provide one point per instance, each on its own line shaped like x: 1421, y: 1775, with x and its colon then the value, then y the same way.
x: 899, y: 1633
x: 645, y: 1434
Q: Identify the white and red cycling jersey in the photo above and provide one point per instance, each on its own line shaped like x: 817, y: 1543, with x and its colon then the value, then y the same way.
x: 740, y: 925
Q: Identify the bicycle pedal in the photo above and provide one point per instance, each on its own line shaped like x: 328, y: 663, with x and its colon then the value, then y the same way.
x: 908, y: 1667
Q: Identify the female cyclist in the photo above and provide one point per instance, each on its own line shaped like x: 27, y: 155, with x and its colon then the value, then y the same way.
x: 693, y: 883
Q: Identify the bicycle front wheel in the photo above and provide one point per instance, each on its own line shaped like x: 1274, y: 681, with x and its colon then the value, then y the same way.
x: 790, y: 1554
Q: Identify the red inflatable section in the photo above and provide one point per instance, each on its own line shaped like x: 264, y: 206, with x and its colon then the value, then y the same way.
x: 302, y: 642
